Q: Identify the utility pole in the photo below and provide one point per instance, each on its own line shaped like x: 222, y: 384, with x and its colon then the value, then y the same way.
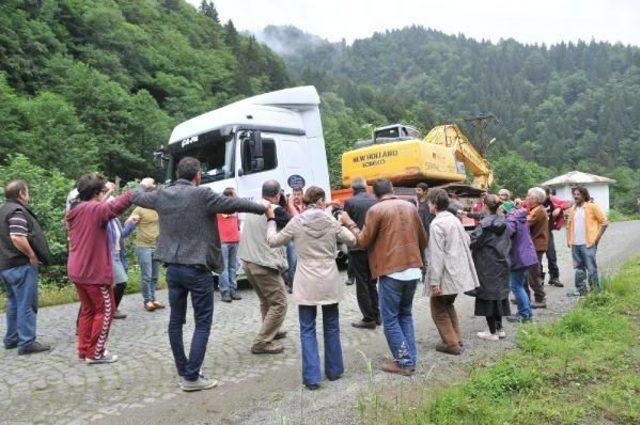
x: 480, y: 124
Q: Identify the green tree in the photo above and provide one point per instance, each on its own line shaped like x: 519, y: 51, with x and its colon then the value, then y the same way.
x: 517, y: 174
x: 48, y: 190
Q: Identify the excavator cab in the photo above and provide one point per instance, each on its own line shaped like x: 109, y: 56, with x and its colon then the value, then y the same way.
x: 394, y: 133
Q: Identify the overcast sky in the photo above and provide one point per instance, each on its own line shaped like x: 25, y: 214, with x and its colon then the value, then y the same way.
x: 548, y: 21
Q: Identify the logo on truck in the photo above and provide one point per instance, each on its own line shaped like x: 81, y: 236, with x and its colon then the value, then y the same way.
x: 188, y: 141
x: 375, y: 158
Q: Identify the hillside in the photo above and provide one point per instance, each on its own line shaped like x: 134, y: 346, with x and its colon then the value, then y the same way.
x: 562, y: 107
x: 98, y: 84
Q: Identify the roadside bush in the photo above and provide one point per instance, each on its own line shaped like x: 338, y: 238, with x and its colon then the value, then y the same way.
x: 48, y: 190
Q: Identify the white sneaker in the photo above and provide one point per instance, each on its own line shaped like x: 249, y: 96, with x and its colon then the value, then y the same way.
x: 199, y: 384
x: 502, y: 334
x: 488, y: 336
x: 107, y: 357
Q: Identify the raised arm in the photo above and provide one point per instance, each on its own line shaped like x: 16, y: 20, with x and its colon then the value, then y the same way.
x: 216, y: 203
x: 283, y: 237
x: 144, y: 198
x: 369, y: 232
x: 111, y: 209
x: 345, y: 236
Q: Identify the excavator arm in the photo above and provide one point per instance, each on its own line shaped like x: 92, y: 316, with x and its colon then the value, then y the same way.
x: 451, y: 136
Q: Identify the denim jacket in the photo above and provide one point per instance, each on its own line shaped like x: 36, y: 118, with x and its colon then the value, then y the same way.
x: 124, y: 232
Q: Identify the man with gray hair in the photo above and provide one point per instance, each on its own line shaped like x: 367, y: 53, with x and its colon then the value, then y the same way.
x: 264, y: 267
x: 366, y: 292
x: 538, y: 222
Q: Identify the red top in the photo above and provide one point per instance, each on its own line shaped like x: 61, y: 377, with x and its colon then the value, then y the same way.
x: 89, y: 255
x: 228, y: 228
x: 563, y: 205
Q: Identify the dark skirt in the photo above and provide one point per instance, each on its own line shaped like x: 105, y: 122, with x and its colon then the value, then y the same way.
x: 492, y: 308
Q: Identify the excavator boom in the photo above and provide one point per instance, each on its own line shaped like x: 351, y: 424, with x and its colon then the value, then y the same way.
x: 451, y: 136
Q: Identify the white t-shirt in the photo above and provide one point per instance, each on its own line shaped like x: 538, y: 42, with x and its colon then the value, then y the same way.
x: 407, y: 275
x: 579, y: 227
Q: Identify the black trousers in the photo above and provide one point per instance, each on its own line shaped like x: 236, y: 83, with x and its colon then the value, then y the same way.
x: 118, y: 291
x: 534, y: 281
x: 552, y: 258
x: 495, y: 323
x: 366, y: 290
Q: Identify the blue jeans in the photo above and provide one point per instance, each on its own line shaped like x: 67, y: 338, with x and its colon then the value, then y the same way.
x: 227, y: 281
x: 396, y: 303
x: 198, y: 281
x: 333, y: 365
x: 516, y: 281
x: 149, y: 270
x: 22, y: 304
x: 584, y: 261
x: 292, y: 259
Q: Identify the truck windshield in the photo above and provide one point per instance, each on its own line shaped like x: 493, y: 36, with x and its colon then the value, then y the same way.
x: 215, y: 153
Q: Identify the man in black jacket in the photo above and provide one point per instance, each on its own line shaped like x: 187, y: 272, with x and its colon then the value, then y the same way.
x: 366, y: 291
x: 22, y: 248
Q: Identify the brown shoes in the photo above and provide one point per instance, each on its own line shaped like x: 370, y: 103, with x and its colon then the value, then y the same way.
x: 267, y: 348
x: 159, y: 304
x: 364, y: 325
x: 455, y: 350
x: 149, y: 306
x: 280, y: 335
x: 539, y: 304
x: 392, y: 367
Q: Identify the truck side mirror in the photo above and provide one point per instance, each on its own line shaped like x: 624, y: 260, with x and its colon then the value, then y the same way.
x: 252, y: 152
x: 256, y: 144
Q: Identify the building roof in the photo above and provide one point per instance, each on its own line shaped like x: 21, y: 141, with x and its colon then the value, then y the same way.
x: 578, y: 177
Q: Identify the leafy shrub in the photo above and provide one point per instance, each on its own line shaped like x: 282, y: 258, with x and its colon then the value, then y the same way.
x: 48, y: 191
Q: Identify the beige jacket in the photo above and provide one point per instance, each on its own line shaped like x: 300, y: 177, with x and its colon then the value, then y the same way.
x: 315, y: 235
x: 253, y: 245
x: 449, y: 261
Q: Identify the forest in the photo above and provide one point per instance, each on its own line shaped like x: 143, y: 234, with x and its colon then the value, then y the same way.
x: 558, y: 108
x: 97, y: 85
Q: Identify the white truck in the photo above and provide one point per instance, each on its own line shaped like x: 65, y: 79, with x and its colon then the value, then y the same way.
x: 275, y: 135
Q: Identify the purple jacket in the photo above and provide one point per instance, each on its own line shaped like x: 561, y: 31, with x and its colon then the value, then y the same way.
x: 522, y: 254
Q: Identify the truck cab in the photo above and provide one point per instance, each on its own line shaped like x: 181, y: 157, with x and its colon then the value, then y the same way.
x: 275, y: 135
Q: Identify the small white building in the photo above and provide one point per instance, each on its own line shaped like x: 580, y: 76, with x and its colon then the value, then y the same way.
x: 597, y: 186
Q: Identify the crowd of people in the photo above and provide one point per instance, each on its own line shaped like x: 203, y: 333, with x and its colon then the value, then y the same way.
x: 289, y: 244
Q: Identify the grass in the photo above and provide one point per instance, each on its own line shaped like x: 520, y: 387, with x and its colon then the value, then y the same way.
x: 615, y: 215
x: 584, y: 368
x: 50, y: 294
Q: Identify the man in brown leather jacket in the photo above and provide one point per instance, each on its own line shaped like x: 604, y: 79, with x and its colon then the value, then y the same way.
x: 395, y: 239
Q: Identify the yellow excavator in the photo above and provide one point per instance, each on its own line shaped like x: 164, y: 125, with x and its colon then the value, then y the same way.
x: 396, y: 152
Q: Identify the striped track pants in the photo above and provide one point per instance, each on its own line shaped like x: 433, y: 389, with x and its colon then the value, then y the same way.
x: 97, y: 306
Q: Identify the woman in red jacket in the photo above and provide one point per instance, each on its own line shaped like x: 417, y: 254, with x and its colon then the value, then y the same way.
x: 90, y: 265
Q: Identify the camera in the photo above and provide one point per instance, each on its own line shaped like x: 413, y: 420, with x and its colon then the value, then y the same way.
x: 336, y: 212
